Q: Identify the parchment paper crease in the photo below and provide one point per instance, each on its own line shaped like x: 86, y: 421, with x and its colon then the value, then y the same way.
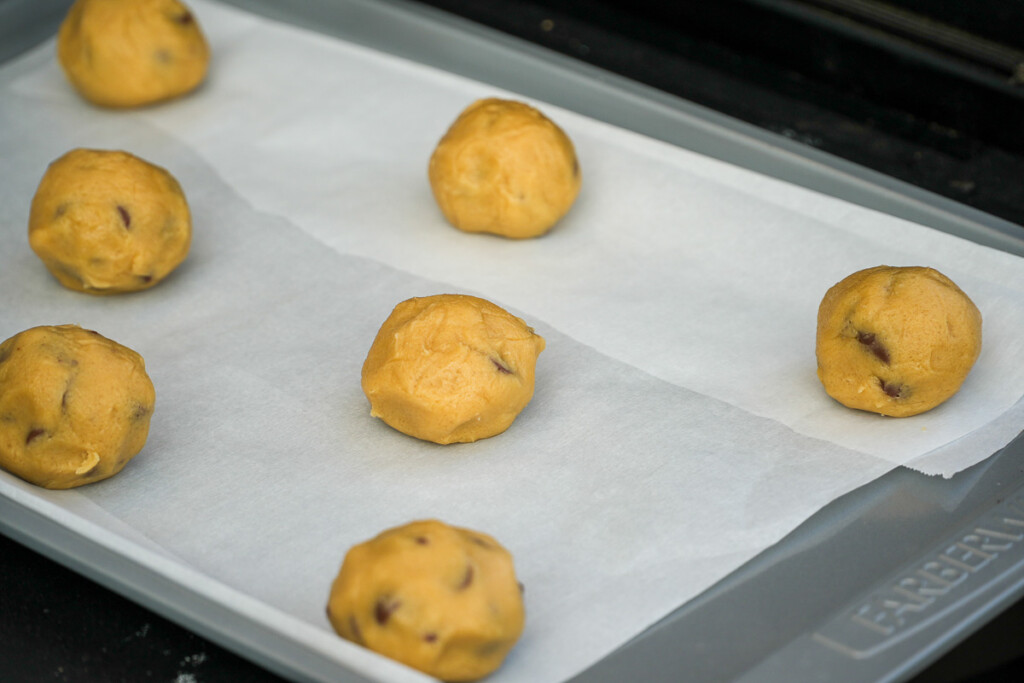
x: 678, y: 427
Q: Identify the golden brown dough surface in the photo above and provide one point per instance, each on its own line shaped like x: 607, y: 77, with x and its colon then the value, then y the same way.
x: 438, y: 598
x: 451, y: 368
x: 105, y: 222
x: 128, y: 53
x: 504, y: 168
x: 896, y: 341
x: 74, y: 406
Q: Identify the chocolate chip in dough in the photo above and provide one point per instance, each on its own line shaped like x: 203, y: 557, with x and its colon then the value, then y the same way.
x: 384, y: 608
x: 876, y: 347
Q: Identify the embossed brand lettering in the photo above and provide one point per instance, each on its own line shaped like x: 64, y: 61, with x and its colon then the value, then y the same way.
x: 966, y: 553
x: 901, y: 606
x: 941, y: 572
x: 925, y: 584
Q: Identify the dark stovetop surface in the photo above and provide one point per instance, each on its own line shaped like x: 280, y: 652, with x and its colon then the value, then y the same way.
x: 938, y: 121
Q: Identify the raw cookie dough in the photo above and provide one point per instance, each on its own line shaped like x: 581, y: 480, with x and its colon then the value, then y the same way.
x: 440, y: 599
x: 896, y: 341
x: 74, y: 406
x: 504, y: 168
x: 451, y: 368
x: 128, y: 53
x: 105, y: 222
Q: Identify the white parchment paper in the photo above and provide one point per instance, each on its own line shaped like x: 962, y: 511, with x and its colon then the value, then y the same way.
x: 678, y: 427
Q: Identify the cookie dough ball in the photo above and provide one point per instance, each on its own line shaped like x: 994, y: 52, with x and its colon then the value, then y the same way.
x: 451, y: 368
x: 438, y: 598
x: 896, y: 341
x: 504, y: 168
x: 128, y: 53
x: 74, y: 406
x: 105, y: 222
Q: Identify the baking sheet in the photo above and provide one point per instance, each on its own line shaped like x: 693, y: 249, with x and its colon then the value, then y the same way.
x: 653, y: 460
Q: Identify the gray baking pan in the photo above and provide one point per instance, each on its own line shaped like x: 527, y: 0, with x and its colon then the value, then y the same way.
x: 875, y: 586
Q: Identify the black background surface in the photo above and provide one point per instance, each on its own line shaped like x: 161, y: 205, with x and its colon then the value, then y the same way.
x: 944, y: 123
